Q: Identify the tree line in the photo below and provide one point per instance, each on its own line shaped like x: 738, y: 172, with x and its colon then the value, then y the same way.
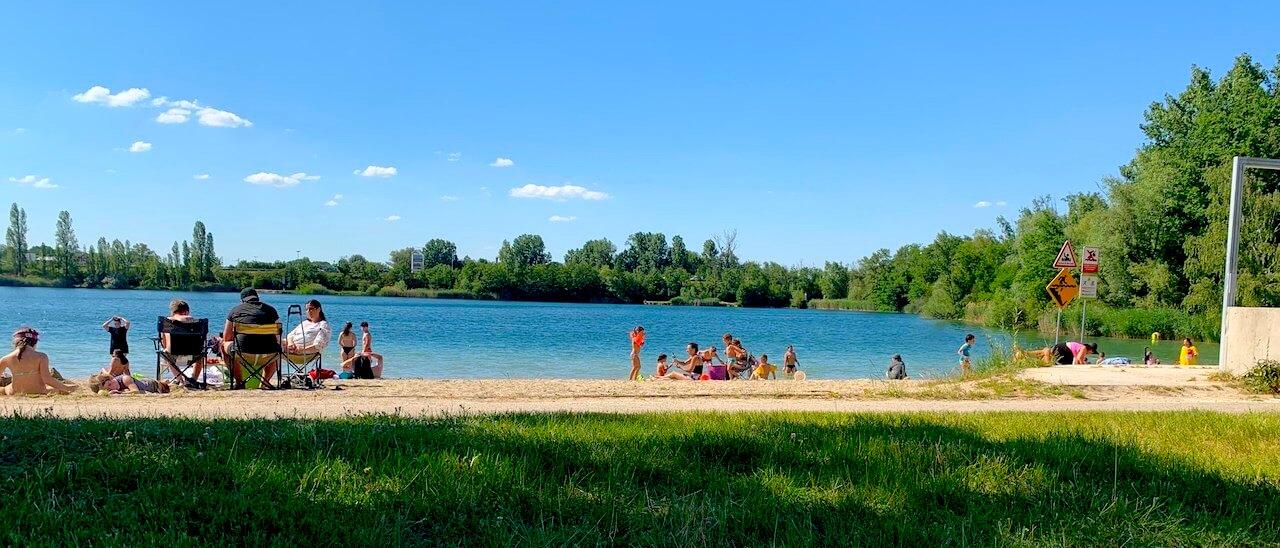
x: 1160, y: 224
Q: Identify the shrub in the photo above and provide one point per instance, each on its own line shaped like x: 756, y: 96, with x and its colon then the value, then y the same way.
x: 1264, y: 377
x: 312, y: 288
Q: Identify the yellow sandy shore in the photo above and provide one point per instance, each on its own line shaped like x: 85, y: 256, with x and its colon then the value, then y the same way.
x: 1059, y: 389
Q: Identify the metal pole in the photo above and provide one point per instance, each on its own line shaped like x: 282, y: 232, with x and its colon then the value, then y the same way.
x: 1233, y: 244
x: 1057, y: 328
x: 1083, y: 305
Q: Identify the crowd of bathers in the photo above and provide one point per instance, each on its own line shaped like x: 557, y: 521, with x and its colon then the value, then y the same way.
x: 701, y: 363
x: 30, y: 372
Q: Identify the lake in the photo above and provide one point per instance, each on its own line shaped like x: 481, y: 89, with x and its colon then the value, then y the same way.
x: 450, y: 339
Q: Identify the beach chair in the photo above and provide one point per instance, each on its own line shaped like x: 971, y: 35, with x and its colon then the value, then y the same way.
x: 296, y: 368
x: 253, y: 367
x: 186, y: 348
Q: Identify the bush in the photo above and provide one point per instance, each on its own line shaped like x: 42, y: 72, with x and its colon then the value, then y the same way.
x: 1264, y: 377
x: 312, y: 288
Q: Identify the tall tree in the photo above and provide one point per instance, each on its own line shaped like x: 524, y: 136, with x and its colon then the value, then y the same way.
x: 597, y: 253
x: 439, y: 252
x: 16, y: 239
x: 67, y: 249
x: 525, y: 250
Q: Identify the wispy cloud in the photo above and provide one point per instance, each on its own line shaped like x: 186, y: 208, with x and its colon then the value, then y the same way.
x: 174, y: 116
x: 558, y: 193
x: 263, y: 178
x: 19, y: 130
x: 454, y: 156
x: 1001, y: 203
x: 503, y: 162
x: 103, y: 96
x: 448, y: 198
x: 201, y: 176
x: 33, y: 181
x: 140, y: 146
x: 376, y: 171
x: 334, y: 200
x: 562, y: 219
x: 393, y: 218
x: 982, y: 204
x: 485, y: 190
x: 213, y: 117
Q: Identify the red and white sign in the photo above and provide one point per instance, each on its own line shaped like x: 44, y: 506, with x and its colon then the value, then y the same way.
x: 1089, y: 263
x: 1066, y: 257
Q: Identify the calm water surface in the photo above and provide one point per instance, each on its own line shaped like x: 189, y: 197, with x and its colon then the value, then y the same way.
x: 483, y: 339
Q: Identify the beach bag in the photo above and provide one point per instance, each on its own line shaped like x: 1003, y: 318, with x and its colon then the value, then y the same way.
x: 718, y: 372
x: 321, y: 374
x: 362, y: 368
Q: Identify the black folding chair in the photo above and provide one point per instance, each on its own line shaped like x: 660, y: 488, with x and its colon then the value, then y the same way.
x: 186, y: 347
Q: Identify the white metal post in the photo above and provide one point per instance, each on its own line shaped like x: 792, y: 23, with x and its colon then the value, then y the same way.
x: 1238, y: 166
x: 1084, y: 304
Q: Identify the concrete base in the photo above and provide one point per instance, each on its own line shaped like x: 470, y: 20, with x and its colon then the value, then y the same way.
x: 1253, y: 334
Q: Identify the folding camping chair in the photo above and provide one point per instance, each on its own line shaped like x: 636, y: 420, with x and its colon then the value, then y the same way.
x: 296, y: 367
x: 185, y: 349
x: 253, y: 367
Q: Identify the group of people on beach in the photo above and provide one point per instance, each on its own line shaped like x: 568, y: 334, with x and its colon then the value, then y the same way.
x: 30, y: 371
x: 707, y: 364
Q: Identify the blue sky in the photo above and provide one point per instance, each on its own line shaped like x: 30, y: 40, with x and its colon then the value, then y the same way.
x: 817, y: 131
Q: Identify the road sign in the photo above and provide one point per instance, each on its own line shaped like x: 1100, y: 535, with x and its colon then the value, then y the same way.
x: 1063, y: 288
x: 1089, y: 262
x: 1066, y: 257
x: 1088, y: 286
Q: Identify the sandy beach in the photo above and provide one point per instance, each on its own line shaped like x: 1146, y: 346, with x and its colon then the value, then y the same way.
x: 1068, y: 388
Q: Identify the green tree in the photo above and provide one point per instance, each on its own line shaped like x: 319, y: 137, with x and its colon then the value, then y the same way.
x: 439, y: 252
x: 525, y: 250
x: 596, y: 253
x: 67, y: 249
x: 16, y: 240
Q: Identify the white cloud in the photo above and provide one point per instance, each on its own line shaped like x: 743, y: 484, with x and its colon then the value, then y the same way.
x: 334, y: 200
x: 102, y: 95
x: 202, y: 176
x: 455, y: 156
x: 180, y: 103
x: 109, y: 170
x: 279, y: 181
x: 213, y: 117
x: 19, y: 130
x: 558, y: 193
x: 33, y: 181
x: 1002, y: 203
x: 485, y: 190
x: 562, y: 219
x: 448, y: 198
x: 376, y: 171
x: 140, y: 146
x: 174, y: 116
x: 503, y: 162
x: 982, y: 204
x: 393, y: 218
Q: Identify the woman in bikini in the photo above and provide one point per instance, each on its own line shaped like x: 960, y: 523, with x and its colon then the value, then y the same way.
x: 30, y: 367
x: 347, y: 342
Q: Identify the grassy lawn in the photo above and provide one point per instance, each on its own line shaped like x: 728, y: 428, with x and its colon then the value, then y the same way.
x: 1004, y: 478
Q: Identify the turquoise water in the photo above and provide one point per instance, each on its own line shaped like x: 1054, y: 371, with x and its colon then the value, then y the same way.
x: 427, y: 338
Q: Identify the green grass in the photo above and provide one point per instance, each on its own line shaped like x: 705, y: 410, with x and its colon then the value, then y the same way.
x: 681, y: 479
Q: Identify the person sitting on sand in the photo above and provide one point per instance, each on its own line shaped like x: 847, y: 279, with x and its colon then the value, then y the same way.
x: 710, y: 354
x: 29, y: 367
x: 119, y: 365
x: 897, y: 368
x: 1148, y: 358
x: 312, y: 334
x: 741, y: 361
x: 692, y: 365
x: 664, y: 372
x: 764, y: 369
x: 119, y: 384
x: 361, y: 366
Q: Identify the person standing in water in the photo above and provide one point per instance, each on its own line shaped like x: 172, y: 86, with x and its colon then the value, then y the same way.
x: 347, y: 342
x: 637, y: 341
x: 1188, y: 354
x: 366, y: 339
x: 789, y: 362
x: 963, y: 352
x: 118, y: 327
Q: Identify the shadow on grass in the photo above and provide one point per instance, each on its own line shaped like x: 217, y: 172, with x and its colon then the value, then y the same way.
x: 679, y: 479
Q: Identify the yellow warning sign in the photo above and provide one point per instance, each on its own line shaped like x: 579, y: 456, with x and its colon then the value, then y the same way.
x: 1063, y: 289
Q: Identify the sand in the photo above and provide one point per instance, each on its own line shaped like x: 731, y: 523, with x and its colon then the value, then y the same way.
x: 1090, y: 388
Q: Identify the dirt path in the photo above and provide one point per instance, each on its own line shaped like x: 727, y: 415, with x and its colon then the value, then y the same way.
x: 1082, y: 391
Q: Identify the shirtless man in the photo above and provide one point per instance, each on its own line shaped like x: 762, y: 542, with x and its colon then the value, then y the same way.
x: 366, y: 338
x: 711, y: 354
x: 693, y: 364
x: 30, y: 367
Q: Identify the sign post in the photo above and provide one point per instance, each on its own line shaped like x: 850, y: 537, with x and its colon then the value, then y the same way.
x: 1088, y: 281
x: 1062, y: 289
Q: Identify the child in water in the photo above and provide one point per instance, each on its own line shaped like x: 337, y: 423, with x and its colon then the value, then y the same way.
x: 963, y: 352
x: 1148, y: 358
x: 764, y: 369
x: 789, y: 362
x: 1188, y: 354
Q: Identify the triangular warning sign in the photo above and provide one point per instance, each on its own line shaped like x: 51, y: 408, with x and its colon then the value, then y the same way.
x: 1066, y: 257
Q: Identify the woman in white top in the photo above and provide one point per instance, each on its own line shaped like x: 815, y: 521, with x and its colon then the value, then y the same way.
x: 312, y: 335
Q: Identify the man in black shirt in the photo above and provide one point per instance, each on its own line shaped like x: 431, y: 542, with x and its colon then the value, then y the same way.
x: 118, y: 327
x: 251, y: 311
